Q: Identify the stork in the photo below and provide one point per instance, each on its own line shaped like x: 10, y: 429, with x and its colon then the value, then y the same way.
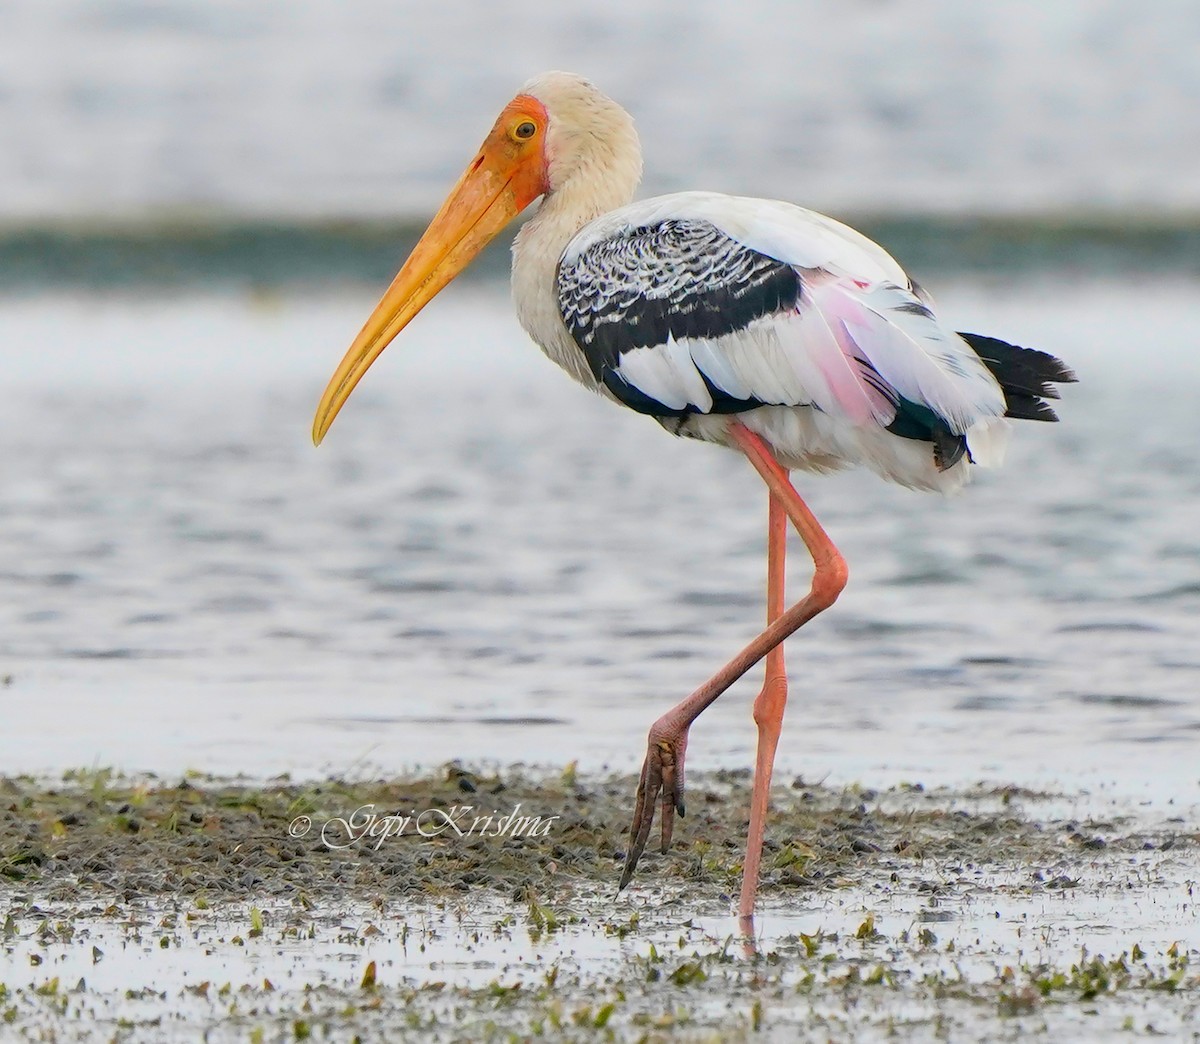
x: 750, y: 323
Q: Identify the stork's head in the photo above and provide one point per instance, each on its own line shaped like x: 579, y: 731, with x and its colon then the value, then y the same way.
x: 589, y: 137
x: 559, y: 134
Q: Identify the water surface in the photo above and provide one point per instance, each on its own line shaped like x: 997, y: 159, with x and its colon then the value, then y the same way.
x: 485, y: 562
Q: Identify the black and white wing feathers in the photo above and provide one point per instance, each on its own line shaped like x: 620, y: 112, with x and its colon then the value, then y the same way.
x: 700, y: 303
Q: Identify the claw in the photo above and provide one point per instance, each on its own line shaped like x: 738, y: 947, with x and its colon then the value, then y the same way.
x: 669, y: 798
x: 643, y: 815
x: 661, y: 779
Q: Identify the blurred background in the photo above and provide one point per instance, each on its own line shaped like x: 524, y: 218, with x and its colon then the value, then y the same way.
x: 129, y: 109
x: 199, y: 204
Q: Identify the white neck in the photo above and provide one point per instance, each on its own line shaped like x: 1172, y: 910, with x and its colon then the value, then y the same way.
x: 591, y: 190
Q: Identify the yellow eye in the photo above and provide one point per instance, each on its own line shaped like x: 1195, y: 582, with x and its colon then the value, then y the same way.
x: 524, y: 130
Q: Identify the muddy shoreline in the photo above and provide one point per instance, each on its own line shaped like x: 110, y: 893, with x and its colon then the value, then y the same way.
x: 146, y: 909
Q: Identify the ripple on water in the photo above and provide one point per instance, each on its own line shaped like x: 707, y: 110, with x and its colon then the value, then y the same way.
x: 1124, y: 699
x: 368, y: 577
x: 653, y: 633
x: 1110, y: 626
x: 1177, y: 593
x: 119, y: 654
x: 674, y: 654
x: 233, y: 604
x: 1000, y: 661
x: 253, y: 537
x: 720, y: 599
x: 861, y: 627
x: 140, y: 619
x: 434, y: 493
x: 932, y: 576
x: 359, y: 721
x: 414, y: 586
x: 984, y: 702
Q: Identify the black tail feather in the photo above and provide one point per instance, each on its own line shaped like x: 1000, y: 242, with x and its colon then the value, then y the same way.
x: 1026, y: 375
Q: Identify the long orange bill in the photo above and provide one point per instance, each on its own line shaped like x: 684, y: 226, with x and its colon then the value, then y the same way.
x: 504, y: 178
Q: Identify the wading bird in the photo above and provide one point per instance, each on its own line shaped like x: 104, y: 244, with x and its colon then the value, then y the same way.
x: 749, y: 323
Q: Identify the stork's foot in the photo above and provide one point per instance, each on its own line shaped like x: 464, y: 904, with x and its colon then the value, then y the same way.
x: 661, y: 780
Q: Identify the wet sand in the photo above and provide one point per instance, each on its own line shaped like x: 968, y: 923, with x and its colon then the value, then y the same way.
x: 146, y: 909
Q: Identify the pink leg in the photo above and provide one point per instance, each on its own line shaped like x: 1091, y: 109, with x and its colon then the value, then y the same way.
x: 768, y: 709
x: 663, y: 770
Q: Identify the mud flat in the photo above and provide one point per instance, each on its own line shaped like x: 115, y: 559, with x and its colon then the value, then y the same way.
x: 481, y: 905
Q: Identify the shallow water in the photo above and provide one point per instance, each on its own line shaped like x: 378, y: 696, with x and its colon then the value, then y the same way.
x: 171, y: 974
x: 484, y: 562
x: 982, y: 914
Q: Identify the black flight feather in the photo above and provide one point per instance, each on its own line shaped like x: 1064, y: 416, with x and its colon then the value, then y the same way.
x: 1027, y: 376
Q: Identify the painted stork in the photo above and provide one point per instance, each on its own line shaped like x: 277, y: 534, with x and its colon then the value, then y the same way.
x: 749, y: 323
